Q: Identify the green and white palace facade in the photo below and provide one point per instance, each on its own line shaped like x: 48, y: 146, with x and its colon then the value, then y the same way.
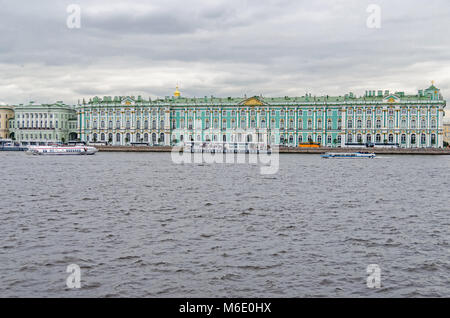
x: 377, y: 117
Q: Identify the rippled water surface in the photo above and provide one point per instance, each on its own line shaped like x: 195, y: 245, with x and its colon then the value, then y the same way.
x: 139, y: 225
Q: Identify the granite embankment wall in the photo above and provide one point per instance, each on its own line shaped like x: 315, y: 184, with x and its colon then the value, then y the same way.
x: 416, y: 151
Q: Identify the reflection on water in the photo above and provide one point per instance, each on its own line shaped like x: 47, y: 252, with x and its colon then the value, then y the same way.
x: 139, y: 225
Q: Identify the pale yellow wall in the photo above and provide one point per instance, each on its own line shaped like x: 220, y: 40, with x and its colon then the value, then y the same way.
x: 447, y: 132
x: 6, y: 114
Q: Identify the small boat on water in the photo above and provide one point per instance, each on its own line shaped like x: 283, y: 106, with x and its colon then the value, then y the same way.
x: 9, y: 145
x: 61, y: 150
x: 352, y: 155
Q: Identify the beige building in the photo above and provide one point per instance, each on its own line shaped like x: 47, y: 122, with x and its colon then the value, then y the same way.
x: 6, y: 113
x: 447, y: 132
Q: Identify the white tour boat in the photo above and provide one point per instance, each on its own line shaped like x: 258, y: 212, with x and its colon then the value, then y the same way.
x: 344, y: 155
x: 61, y: 150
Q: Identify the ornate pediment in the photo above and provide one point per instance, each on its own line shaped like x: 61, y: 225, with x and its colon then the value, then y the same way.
x: 127, y: 102
x: 252, y: 101
x: 391, y: 99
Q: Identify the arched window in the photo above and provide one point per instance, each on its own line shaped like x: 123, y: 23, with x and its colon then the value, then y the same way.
x: 339, y: 139
x: 319, y: 124
x: 391, y: 138
x: 110, y: 137
x: 309, y: 124
x: 95, y: 137
x: 413, y: 125
x: 243, y: 123
x: 161, y: 124
x: 300, y: 124
x: 433, y: 139
x: 369, y: 138
x: 378, y: 138
x: 423, y: 139
x: 391, y: 123
x: 413, y: 139
x: 153, y: 138
x: 127, y: 137
x: 153, y: 124
x: 319, y: 138
x: 378, y: 123
x: 433, y: 124
x: 138, y: 137
x: 102, y: 137
x: 350, y: 124
x: 282, y: 139
x: 207, y: 123
x: 161, y: 137
x: 117, y: 137
x: 329, y: 139
x: 263, y: 123
x: 359, y: 123
x: 329, y: 124
x: 310, y: 138
x: 146, y: 137
x: 253, y: 123
x: 300, y: 139
x: 423, y: 123
x: 359, y: 138
x: 403, y: 139
x: 349, y: 138
x: 291, y: 139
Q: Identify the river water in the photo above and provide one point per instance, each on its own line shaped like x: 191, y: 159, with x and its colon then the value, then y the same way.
x: 139, y: 225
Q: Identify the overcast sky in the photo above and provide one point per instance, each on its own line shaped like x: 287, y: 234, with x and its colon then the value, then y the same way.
x: 222, y: 48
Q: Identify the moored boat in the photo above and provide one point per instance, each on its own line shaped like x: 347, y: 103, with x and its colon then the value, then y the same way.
x: 9, y: 145
x: 61, y: 150
x: 347, y: 155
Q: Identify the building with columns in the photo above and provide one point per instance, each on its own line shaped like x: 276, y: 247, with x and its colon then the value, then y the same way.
x: 378, y: 117
x: 6, y: 113
x: 37, y: 124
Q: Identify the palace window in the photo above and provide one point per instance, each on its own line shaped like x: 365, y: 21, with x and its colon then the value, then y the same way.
x: 359, y: 138
x: 423, y: 123
x: 350, y: 124
x: 404, y: 111
x: 350, y: 111
x: 310, y: 138
x: 329, y: 124
x: 378, y: 138
x: 413, y: 124
x: 291, y: 124
x: 319, y: 138
x: 369, y: 138
x: 391, y: 138
x: 309, y: 124
x: 118, y: 124
x: 215, y: 124
x: 359, y: 111
x: 369, y: 123
x: 282, y: 124
x: 369, y: 111
x: 300, y: 112
x: 174, y: 124
x: 182, y: 123
x: 413, y: 139
x: 339, y: 139
x: 263, y: 123
x: 329, y: 139
x: 359, y: 123
x: 391, y: 112
x: 300, y: 124
x: 403, y: 123
x: 378, y: 123
x: 349, y: 138
x: 309, y: 112
x: 243, y: 123
x: 423, y: 138
x: 300, y: 139
x: 233, y: 124
x: 319, y: 124
x: 161, y: 124
x: 433, y: 124
x: 433, y: 139
x: 339, y: 124
x: 403, y: 139
x: 128, y: 124
x: 391, y: 123
x: 253, y: 123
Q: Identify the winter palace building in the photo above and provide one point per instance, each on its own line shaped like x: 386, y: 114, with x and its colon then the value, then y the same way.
x: 377, y: 117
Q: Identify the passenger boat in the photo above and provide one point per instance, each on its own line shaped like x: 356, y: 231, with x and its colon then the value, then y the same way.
x: 343, y: 155
x: 61, y: 150
x: 9, y: 145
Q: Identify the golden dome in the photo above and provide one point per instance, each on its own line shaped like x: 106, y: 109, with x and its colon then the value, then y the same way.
x: 177, y: 93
